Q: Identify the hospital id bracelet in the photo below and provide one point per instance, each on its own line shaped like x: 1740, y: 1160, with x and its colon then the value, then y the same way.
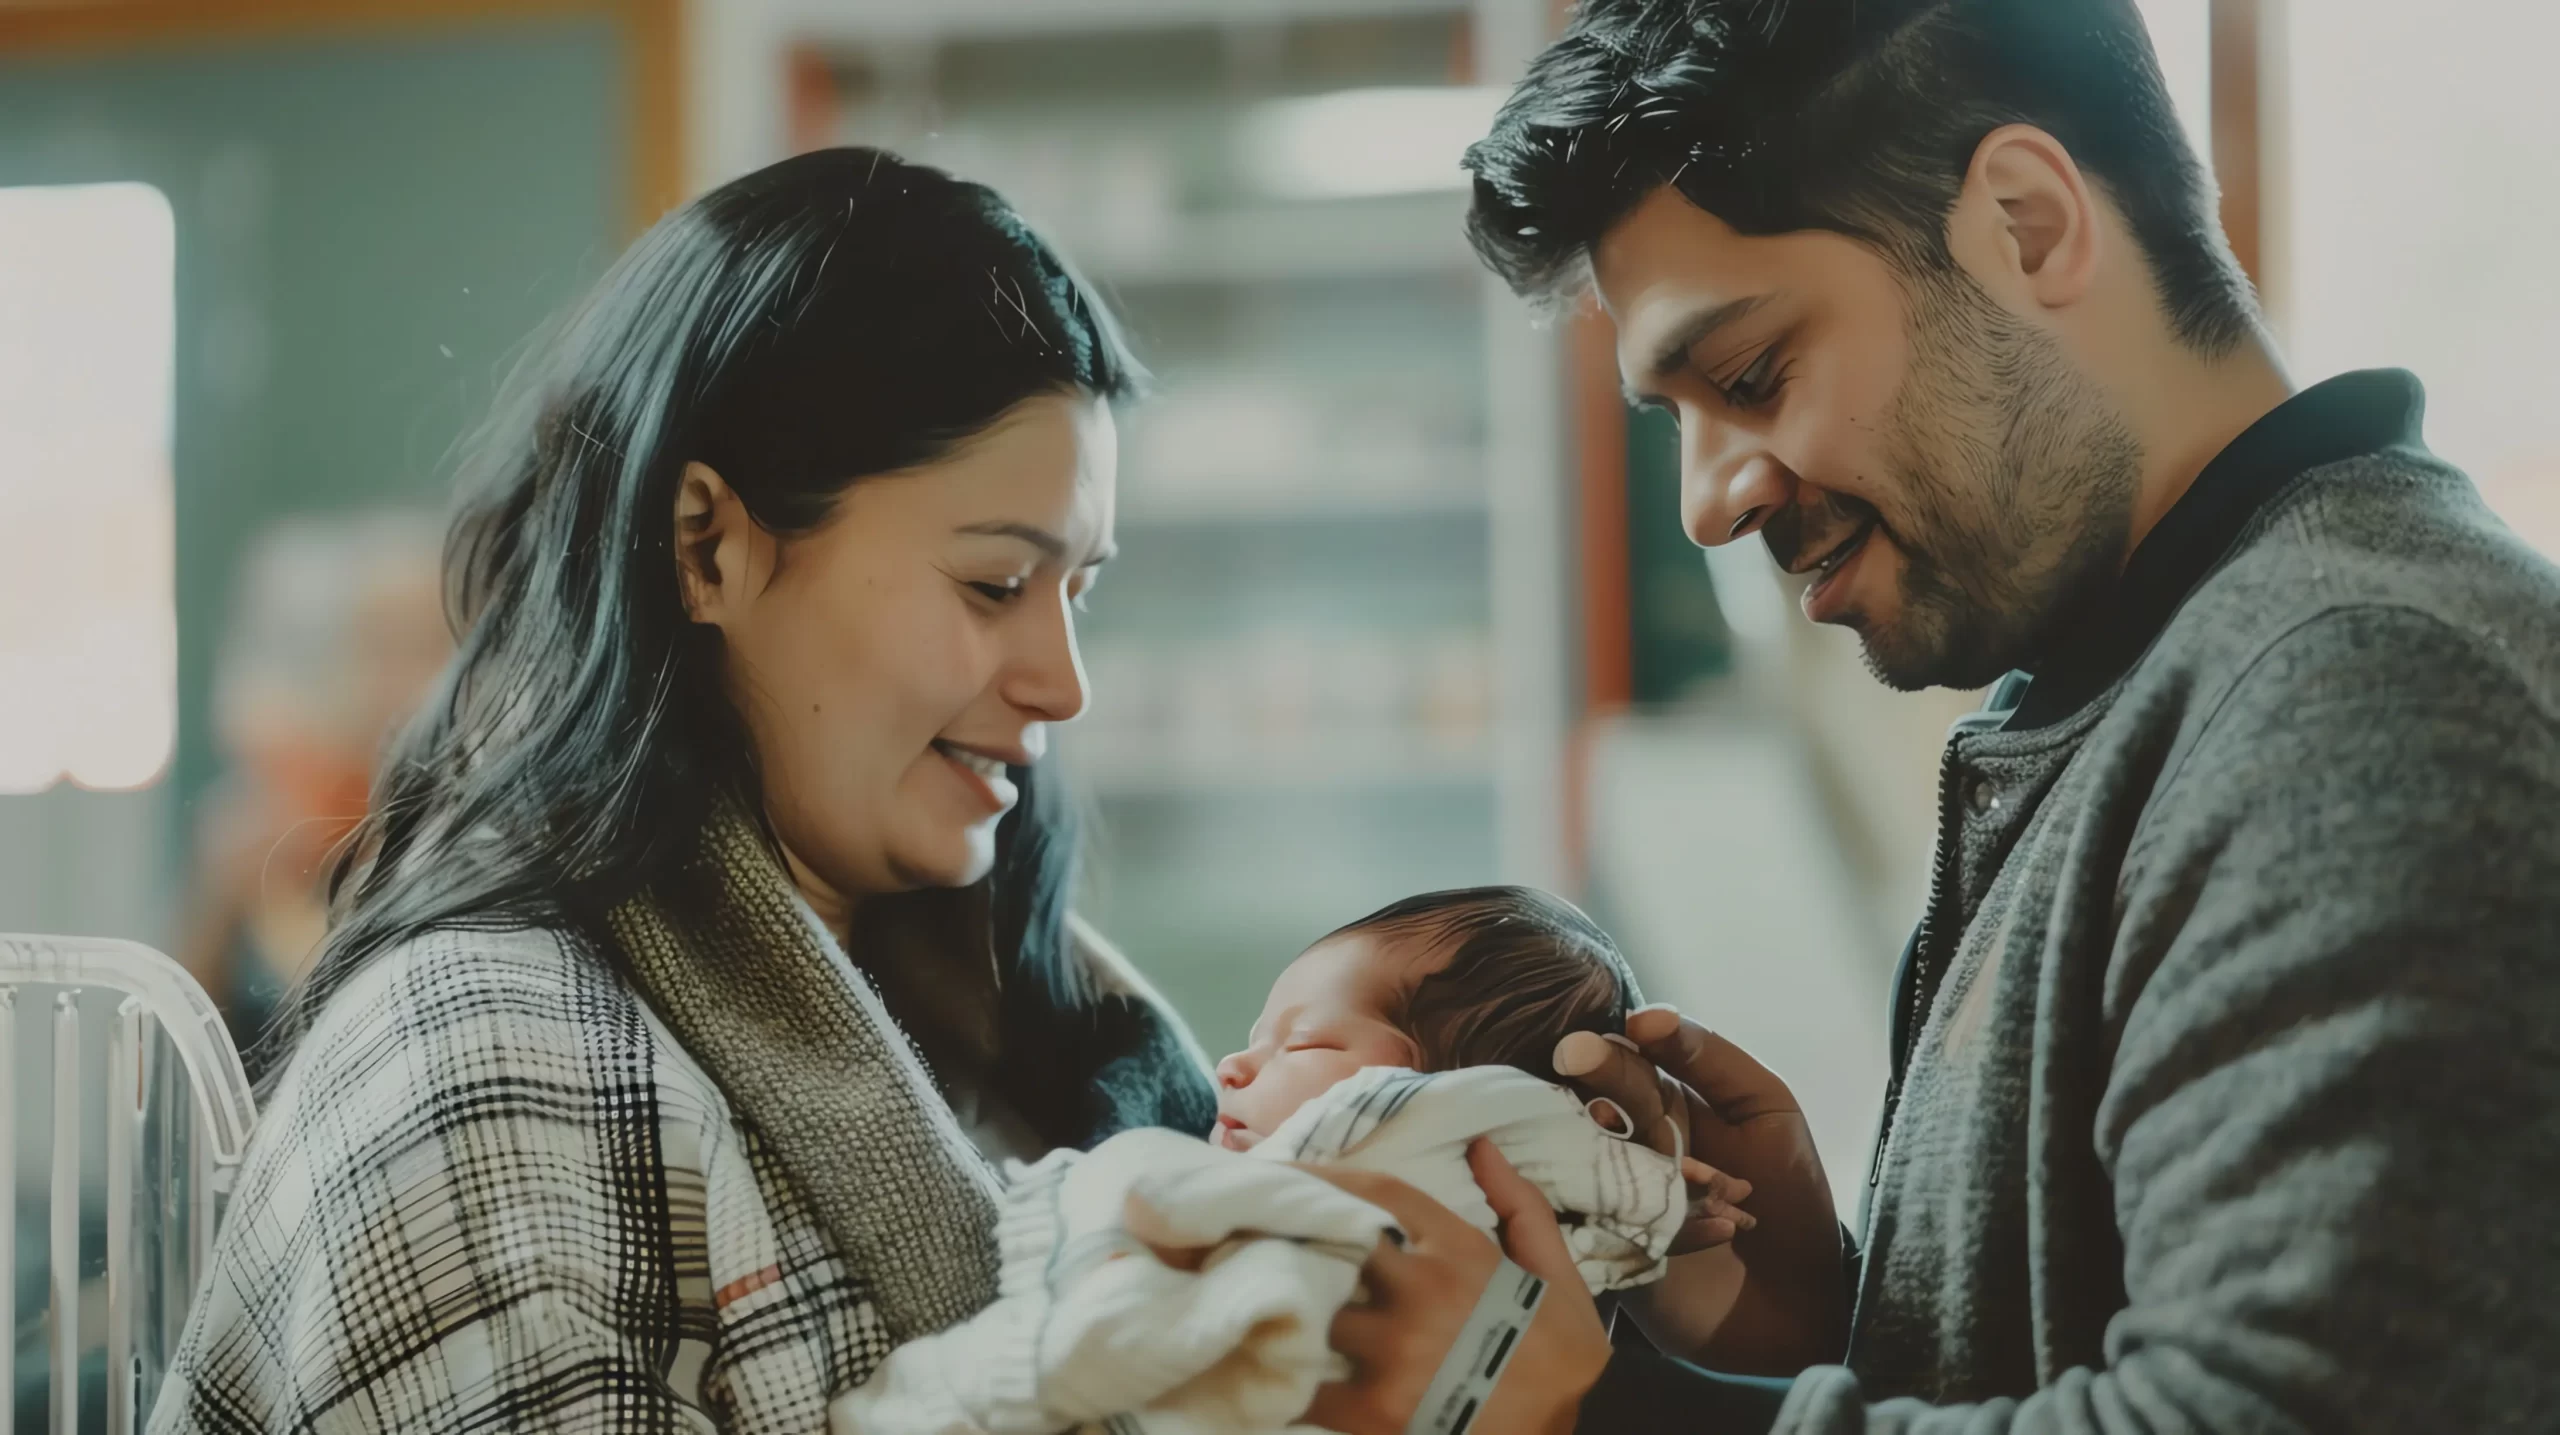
x: 1483, y: 1348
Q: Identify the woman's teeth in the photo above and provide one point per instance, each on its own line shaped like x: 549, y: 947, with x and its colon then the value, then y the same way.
x: 989, y: 768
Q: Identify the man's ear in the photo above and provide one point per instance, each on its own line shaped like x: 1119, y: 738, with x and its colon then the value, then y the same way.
x: 723, y: 556
x: 2027, y: 224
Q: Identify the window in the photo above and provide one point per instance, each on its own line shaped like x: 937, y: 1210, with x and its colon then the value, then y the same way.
x: 88, y: 625
x: 2182, y: 36
x: 2425, y: 193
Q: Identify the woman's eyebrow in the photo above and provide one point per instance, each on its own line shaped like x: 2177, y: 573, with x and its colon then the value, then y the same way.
x: 1047, y: 542
x: 1051, y: 546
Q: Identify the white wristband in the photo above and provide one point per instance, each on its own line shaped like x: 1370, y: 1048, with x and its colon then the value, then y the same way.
x: 1483, y: 1348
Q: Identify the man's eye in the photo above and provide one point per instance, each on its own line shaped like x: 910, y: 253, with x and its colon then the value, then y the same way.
x: 1755, y: 386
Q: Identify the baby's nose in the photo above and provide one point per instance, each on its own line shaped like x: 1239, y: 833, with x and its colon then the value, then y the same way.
x: 1234, y: 1071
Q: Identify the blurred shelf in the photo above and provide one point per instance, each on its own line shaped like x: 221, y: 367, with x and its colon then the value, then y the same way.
x: 1172, y: 508
x: 833, y: 21
x: 1414, y: 236
x: 1337, y: 766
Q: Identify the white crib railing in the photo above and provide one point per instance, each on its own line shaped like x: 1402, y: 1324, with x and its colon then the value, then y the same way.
x: 146, y: 1135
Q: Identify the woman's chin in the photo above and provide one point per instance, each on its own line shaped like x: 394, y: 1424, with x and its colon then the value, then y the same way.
x: 960, y: 859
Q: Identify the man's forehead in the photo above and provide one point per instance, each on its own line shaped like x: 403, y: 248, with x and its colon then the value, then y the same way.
x: 1669, y: 265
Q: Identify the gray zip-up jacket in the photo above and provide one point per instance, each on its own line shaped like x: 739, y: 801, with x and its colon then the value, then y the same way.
x: 2228, y: 1092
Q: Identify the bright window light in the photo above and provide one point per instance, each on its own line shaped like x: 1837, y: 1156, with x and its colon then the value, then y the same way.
x: 2182, y: 35
x: 88, y: 624
x: 2420, y: 232
x: 1355, y: 143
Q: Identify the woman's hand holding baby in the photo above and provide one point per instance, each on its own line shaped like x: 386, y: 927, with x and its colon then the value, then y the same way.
x: 1422, y: 1292
x: 1778, y: 1300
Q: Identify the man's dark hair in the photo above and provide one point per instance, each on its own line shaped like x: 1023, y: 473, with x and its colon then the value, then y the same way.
x: 1523, y: 969
x: 1855, y: 116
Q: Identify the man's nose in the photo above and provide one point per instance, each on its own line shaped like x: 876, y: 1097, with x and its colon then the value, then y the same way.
x: 1729, y: 485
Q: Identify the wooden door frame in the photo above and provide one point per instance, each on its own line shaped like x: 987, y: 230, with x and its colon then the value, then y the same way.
x: 2246, y: 156
x: 652, y: 30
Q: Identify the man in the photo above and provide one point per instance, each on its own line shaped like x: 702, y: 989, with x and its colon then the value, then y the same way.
x: 2226, y: 1081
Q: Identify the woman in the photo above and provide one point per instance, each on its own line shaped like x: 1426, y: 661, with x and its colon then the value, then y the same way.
x: 766, y: 599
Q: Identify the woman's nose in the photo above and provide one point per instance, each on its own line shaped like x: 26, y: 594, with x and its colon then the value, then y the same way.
x: 1728, y: 490
x: 1046, y: 677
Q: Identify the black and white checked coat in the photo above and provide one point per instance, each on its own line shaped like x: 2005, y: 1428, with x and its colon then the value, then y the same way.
x: 494, y: 1193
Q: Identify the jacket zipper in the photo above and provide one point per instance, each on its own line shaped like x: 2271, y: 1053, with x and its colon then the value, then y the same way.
x: 1923, y: 978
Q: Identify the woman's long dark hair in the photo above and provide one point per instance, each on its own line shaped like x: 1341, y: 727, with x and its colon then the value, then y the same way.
x: 841, y: 314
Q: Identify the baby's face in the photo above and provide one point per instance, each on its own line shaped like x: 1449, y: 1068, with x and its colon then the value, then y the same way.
x: 1325, y: 1019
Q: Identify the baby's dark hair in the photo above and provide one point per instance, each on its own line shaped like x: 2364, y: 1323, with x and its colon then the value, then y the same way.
x: 1523, y: 969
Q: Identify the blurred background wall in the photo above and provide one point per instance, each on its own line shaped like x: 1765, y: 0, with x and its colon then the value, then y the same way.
x: 1404, y: 602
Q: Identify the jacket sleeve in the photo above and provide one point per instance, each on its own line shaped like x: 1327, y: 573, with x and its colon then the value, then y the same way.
x: 2328, y: 1117
x: 455, y: 1216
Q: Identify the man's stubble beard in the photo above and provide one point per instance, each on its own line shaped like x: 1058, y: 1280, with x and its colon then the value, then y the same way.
x: 2019, y: 478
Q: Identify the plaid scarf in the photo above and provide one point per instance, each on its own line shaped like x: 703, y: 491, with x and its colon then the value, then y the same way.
x: 799, y: 1041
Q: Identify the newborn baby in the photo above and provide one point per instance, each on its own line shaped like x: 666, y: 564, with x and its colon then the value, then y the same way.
x: 1172, y: 1286
x: 1483, y: 976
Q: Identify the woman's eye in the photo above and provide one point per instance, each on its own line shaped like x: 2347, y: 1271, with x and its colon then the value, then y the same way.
x: 1003, y: 592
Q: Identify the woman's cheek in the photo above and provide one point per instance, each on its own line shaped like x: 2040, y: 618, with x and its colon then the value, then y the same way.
x: 937, y: 661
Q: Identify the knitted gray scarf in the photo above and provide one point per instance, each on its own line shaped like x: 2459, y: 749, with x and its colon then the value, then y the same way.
x: 810, y: 1059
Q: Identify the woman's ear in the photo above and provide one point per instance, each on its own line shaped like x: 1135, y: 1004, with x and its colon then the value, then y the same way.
x: 723, y: 556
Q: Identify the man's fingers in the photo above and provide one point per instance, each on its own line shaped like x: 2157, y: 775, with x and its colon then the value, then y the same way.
x: 1738, y: 1087
x: 1702, y: 1233
x: 1605, y: 1070
x: 1708, y: 1183
x: 1530, y: 1236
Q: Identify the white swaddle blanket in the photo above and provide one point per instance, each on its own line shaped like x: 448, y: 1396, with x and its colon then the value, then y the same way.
x: 1091, y: 1326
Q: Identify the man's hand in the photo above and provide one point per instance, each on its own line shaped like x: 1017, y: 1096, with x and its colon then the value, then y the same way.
x: 1421, y: 1293
x: 1693, y: 1094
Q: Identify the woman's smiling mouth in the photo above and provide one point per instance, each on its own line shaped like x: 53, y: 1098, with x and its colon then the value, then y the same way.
x: 984, y: 774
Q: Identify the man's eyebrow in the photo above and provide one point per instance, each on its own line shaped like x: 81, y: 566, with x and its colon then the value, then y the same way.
x: 1674, y: 349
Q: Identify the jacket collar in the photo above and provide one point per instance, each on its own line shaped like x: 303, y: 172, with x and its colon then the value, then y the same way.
x: 2346, y: 417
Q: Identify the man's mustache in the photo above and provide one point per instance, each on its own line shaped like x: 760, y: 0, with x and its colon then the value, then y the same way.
x: 1802, y: 530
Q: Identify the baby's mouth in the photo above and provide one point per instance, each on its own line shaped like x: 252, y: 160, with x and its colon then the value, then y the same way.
x: 1231, y: 1135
